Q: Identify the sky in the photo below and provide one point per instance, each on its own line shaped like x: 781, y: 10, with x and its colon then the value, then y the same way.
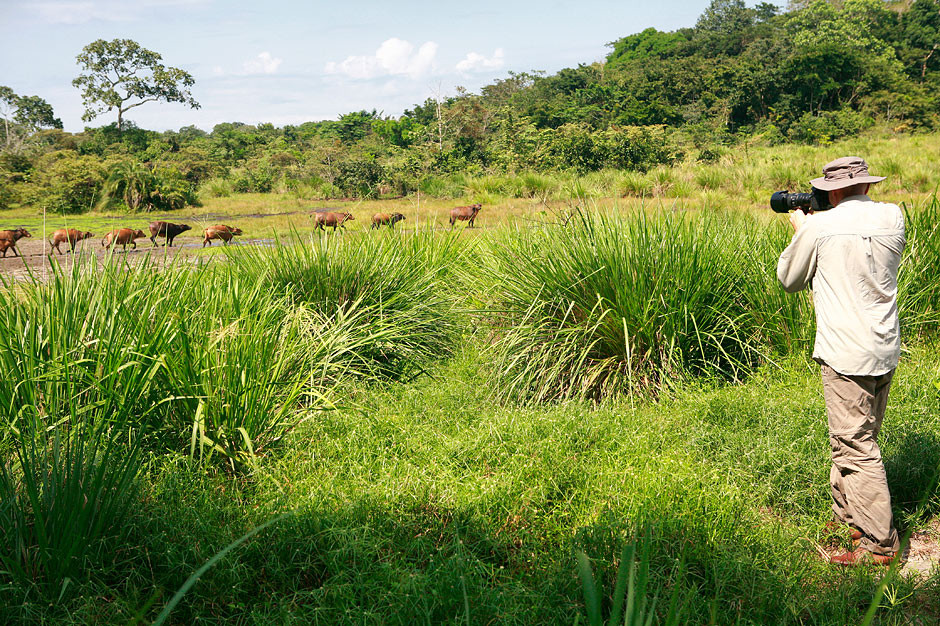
x: 287, y: 62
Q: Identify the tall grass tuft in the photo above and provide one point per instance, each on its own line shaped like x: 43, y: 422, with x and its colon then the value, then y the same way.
x: 101, y: 364
x: 79, y: 393
x: 635, y: 184
x: 242, y: 369
x: 391, y: 291
x: 537, y: 185
x: 918, y: 289
x: 216, y: 188
x: 710, y: 178
x: 633, y: 602
x: 611, y: 303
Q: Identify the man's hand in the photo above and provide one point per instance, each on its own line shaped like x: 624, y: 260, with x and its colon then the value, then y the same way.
x: 797, y: 219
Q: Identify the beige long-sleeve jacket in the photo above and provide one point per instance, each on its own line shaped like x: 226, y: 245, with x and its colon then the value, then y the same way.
x: 849, y: 256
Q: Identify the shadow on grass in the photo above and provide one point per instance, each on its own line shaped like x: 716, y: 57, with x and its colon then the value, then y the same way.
x: 423, y: 562
x: 375, y: 561
x: 913, y: 470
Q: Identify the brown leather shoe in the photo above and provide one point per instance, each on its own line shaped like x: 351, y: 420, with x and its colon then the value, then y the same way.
x: 860, y: 556
x: 837, y: 527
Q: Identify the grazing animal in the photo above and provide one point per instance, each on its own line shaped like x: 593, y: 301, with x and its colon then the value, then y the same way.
x: 70, y: 235
x: 220, y: 231
x: 331, y: 219
x: 382, y: 219
x: 11, y: 237
x: 465, y: 214
x: 6, y: 244
x: 122, y: 237
x: 168, y: 230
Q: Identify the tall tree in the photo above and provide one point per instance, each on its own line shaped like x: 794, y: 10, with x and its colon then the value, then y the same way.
x: 921, y: 34
x: 22, y: 116
x: 120, y: 74
x: 725, y: 17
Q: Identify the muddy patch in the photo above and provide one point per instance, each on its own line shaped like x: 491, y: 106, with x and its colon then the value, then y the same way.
x: 36, y: 260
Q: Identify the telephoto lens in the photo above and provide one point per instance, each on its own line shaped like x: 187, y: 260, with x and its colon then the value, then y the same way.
x: 784, y: 201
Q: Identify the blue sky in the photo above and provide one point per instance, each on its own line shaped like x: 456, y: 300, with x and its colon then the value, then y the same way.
x: 288, y: 62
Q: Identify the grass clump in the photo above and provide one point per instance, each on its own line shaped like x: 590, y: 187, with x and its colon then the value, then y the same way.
x: 80, y: 392
x: 918, y: 292
x: 390, y: 291
x: 635, y: 184
x: 609, y: 303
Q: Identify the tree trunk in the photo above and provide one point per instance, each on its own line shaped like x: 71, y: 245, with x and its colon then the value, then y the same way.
x: 923, y: 67
x: 120, y: 120
x: 440, y: 127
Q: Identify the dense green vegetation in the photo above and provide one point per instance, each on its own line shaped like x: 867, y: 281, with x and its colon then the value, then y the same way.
x: 367, y: 383
x: 750, y: 75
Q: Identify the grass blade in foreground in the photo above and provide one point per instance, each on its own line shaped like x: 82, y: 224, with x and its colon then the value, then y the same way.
x: 195, y: 576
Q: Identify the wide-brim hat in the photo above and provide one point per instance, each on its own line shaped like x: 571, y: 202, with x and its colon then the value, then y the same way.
x: 844, y: 172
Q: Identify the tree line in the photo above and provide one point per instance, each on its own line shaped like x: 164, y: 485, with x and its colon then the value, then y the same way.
x: 813, y: 73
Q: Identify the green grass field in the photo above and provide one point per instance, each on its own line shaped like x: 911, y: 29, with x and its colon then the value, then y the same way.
x: 437, y: 426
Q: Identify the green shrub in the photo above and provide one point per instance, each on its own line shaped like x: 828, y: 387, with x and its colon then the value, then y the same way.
x: 637, y: 147
x: 828, y: 126
x: 256, y: 178
x: 359, y: 179
x: 144, y: 189
x: 572, y: 146
x: 67, y: 183
x: 216, y: 188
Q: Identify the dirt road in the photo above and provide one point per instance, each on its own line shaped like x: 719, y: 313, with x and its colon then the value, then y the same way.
x: 35, y: 258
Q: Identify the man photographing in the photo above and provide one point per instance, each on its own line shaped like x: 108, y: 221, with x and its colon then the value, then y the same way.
x: 849, y: 256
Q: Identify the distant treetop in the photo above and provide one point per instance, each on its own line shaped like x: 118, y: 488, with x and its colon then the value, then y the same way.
x: 121, y: 74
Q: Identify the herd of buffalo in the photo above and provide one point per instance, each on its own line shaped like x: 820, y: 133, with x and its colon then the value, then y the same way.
x: 124, y: 236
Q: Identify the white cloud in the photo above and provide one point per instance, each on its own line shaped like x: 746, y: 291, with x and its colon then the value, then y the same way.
x: 83, y: 11
x: 475, y: 62
x: 395, y: 57
x: 264, y: 63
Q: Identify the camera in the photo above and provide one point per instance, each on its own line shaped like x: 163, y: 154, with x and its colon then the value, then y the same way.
x: 784, y: 201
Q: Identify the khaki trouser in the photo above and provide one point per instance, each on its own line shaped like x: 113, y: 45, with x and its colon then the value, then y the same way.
x: 860, y: 497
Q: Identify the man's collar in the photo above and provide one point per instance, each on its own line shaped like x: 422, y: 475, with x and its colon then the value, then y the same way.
x: 859, y: 197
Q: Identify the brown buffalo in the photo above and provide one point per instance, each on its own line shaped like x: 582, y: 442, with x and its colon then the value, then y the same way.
x: 383, y: 219
x: 122, y: 237
x: 70, y: 235
x: 220, y: 231
x: 168, y: 230
x: 330, y: 218
x: 465, y: 214
x: 11, y: 237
